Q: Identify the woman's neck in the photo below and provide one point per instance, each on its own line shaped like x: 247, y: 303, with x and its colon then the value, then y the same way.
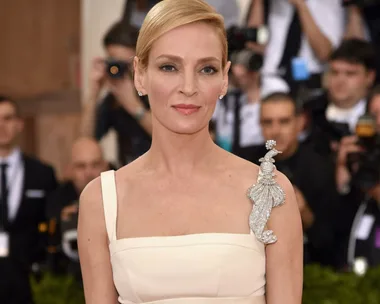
x: 180, y: 154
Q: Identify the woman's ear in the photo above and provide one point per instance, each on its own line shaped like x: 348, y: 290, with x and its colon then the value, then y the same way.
x: 139, y: 74
x: 225, y: 78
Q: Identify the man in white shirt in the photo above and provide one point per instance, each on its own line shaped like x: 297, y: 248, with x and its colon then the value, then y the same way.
x: 236, y: 117
x: 350, y: 76
x: 320, y: 29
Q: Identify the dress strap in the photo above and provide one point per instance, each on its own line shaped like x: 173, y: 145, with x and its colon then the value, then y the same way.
x: 109, y: 196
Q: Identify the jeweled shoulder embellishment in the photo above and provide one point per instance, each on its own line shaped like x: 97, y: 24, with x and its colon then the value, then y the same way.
x: 265, y: 195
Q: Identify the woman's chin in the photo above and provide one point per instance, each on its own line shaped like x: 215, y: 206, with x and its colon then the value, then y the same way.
x: 185, y: 128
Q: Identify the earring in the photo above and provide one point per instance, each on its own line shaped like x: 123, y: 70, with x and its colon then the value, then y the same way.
x: 221, y: 96
x: 140, y: 94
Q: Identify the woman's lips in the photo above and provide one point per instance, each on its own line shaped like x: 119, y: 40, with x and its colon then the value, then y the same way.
x: 186, y: 109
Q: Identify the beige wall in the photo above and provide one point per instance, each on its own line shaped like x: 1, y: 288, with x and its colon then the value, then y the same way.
x: 97, y: 16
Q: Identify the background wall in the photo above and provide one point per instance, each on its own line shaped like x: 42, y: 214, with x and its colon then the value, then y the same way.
x: 39, y: 60
x: 42, y: 46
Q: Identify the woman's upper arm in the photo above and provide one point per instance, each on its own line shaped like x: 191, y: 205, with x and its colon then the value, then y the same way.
x: 93, y: 248
x: 284, y: 266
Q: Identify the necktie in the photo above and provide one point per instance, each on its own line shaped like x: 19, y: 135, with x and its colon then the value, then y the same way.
x: 237, y: 121
x: 4, y: 196
x: 292, y: 46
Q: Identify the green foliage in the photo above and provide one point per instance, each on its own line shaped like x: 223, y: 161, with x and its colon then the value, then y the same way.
x: 58, y: 290
x: 324, y: 286
x: 321, y: 286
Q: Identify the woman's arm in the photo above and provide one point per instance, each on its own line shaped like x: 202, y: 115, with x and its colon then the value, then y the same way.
x: 284, y: 267
x: 93, y: 248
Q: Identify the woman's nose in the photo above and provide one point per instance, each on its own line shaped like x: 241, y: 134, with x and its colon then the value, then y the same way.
x: 189, y: 87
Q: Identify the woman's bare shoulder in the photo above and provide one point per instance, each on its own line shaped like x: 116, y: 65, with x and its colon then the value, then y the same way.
x: 91, y: 197
x: 247, y: 171
x: 240, y: 167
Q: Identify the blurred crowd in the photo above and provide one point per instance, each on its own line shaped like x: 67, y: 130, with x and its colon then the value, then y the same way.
x: 304, y: 73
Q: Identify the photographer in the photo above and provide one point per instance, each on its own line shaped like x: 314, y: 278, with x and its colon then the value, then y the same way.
x: 86, y: 164
x: 311, y: 175
x: 350, y: 145
x: 358, y: 181
x: 334, y: 114
x: 308, y: 30
x: 236, y: 116
x: 122, y: 109
x: 362, y: 243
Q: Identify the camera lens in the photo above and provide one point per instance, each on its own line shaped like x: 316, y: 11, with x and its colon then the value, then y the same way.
x: 366, y: 126
x: 116, y: 68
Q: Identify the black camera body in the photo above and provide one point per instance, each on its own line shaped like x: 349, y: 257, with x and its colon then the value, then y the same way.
x: 237, y: 37
x: 116, y: 69
x: 255, y: 62
x: 248, y: 58
x: 337, y: 130
x: 367, y: 174
x: 70, y: 237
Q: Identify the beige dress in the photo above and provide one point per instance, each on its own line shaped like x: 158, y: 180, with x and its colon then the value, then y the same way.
x: 205, y: 268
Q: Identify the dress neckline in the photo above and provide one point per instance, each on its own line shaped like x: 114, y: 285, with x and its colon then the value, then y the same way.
x: 186, y: 236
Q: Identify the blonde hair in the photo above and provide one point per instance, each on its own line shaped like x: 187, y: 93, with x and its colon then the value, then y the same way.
x: 170, y: 14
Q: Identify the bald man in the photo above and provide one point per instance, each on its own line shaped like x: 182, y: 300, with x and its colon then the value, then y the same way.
x: 86, y: 163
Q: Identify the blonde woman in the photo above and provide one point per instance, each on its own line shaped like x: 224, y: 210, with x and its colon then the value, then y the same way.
x: 183, y: 223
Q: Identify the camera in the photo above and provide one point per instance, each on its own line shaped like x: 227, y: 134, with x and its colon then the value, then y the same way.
x: 237, y: 37
x: 70, y: 237
x: 116, y: 69
x: 367, y: 174
x: 337, y: 130
x: 315, y: 108
x: 248, y: 58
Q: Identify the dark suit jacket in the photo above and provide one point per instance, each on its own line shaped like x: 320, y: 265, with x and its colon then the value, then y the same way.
x: 314, y: 176
x: 133, y: 141
x: 27, y: 231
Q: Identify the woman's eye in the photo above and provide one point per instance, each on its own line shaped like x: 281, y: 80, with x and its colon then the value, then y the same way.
x: 209, y: 70
x: 168, y: 68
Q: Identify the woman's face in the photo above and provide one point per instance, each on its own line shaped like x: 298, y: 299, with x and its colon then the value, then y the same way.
x: 184, y: 77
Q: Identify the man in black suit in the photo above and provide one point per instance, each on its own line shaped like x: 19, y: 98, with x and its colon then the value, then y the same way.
x: 24, y: 185
x: 311, y: 174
